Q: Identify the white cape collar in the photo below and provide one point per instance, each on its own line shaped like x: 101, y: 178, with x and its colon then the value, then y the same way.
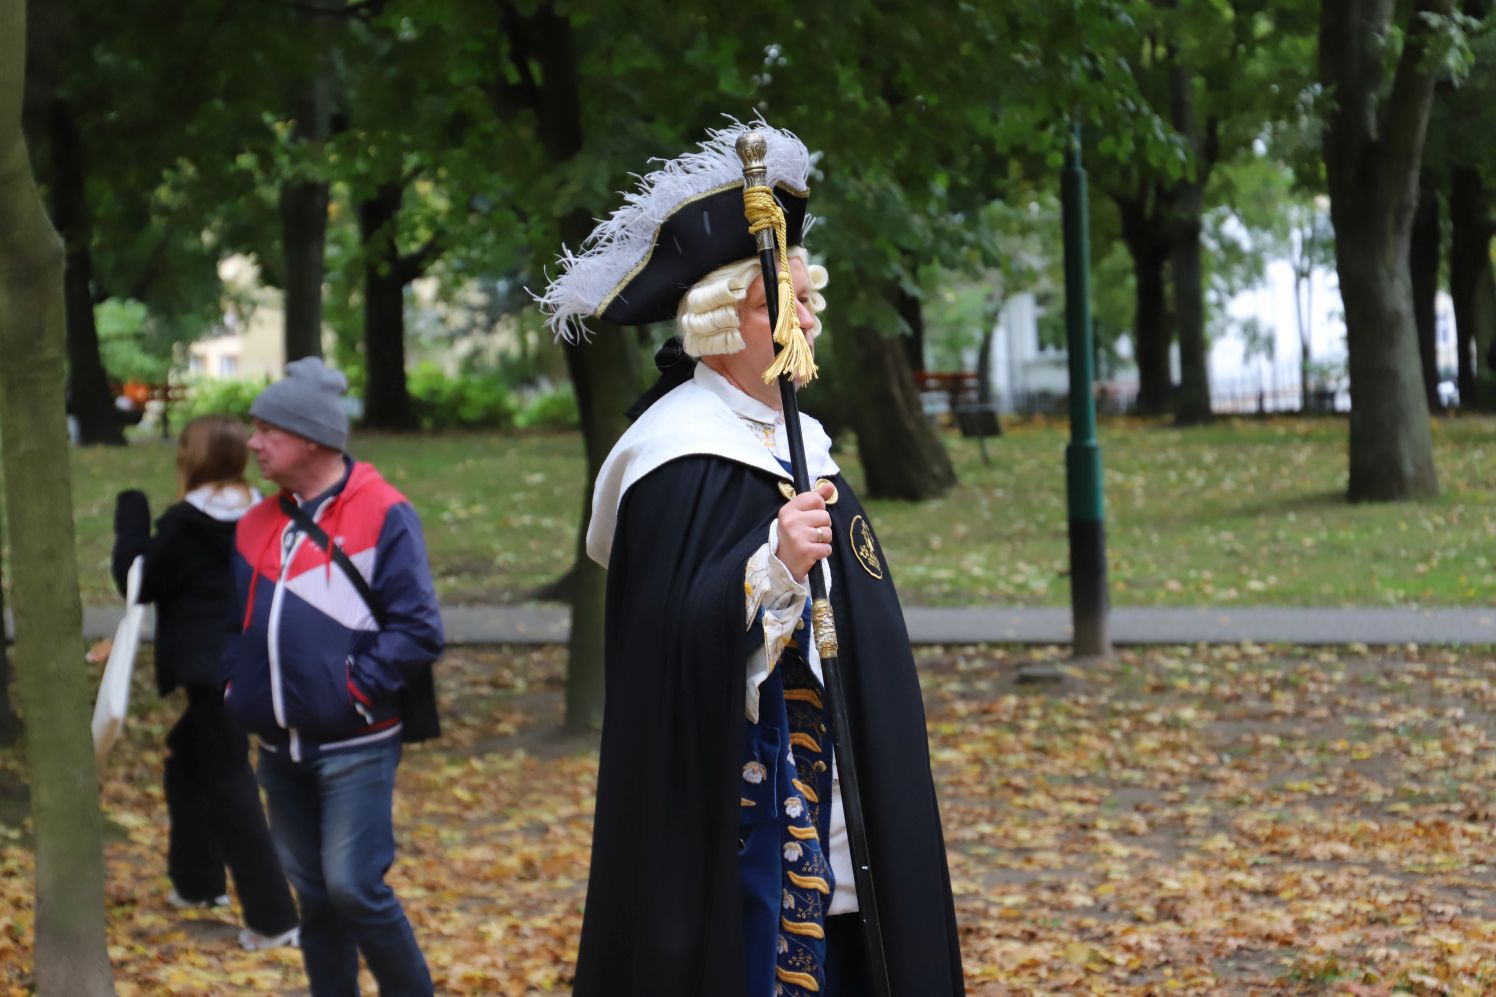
x: 701, y: 416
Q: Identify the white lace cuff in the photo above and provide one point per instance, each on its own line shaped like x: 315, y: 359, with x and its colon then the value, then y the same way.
x: 769, y: 587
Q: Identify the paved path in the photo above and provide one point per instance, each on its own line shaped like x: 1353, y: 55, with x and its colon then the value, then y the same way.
x: 541, y: 623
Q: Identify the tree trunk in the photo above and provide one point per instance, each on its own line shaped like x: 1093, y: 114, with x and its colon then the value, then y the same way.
x: 70, y: 956
x: 1303, y: 286
x: 914, y: 317
x: 902, y: 457
x: 88, y: 393
x: 1391, y: 448
x: 1471, y: 282
x: 604, y: 372
x: 1424, y: 254
x: 303, y: 210
x: 1144, y: 233
x: 10, y: 721
x: 1192, y: 406
x: 386, y: 400
x: 1151, y: 332
x: 984, y: 365
x: 1373, y: 154
x: 605, y: 375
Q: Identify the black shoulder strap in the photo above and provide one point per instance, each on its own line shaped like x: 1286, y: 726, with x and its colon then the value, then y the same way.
x: 319, y: 537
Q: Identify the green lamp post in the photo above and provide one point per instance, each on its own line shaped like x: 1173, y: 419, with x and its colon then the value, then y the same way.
x: 1089, y: 602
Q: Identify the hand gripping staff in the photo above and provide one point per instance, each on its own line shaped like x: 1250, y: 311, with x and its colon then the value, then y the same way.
x: 793, y: 359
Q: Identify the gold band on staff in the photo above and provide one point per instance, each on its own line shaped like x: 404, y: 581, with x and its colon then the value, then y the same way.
x: 825, y: 627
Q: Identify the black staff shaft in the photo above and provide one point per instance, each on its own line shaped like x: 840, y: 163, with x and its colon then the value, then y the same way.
x: 841, y: 721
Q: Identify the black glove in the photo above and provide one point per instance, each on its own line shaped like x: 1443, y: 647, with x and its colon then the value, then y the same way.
x: 132, y: 513
x: 132, y: 532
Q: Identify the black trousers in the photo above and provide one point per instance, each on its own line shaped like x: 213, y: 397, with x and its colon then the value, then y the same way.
x: 846, y: 968
x: 213, y: 802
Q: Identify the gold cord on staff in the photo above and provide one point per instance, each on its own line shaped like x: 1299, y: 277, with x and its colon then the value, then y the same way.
x: 763, y: 212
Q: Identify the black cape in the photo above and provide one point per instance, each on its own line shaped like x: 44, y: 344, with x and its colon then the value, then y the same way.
x: 663, y: 915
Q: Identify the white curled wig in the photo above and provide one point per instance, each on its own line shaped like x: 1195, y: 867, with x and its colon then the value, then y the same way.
x: 707, y: 316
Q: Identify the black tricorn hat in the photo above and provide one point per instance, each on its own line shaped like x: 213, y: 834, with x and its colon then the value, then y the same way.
x: 698, y: 237
x: 683, y: 221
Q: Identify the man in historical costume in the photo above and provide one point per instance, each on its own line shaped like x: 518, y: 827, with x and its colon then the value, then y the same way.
x: 720, y: 861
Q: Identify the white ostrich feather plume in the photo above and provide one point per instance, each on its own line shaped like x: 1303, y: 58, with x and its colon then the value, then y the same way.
x: 619, y: 243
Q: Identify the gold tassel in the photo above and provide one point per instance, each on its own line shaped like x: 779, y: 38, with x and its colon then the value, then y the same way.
x: 795, y: 358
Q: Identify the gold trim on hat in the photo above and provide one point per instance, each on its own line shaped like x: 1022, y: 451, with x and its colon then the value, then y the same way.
x: 654, y: 240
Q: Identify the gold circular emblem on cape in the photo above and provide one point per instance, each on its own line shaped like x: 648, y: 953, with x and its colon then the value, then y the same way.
x: 787, y: 490
x: 866, y: 549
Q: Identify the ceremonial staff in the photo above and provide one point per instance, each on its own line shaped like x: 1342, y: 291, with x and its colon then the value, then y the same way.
x: 792, y: 357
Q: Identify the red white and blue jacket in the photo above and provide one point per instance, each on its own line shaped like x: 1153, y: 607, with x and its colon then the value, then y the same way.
x: 311, y: 670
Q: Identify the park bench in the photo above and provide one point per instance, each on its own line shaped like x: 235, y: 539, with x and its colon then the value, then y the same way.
x: 959, y: 393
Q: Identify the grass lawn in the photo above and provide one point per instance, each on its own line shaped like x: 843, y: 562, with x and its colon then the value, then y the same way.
x: 1241, y: 513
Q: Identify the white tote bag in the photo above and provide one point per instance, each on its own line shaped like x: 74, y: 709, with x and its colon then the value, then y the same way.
x: 114, y: 691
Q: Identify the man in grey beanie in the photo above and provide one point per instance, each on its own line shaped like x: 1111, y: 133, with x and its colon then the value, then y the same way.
x: 339, y: 628
x: 307, y: 402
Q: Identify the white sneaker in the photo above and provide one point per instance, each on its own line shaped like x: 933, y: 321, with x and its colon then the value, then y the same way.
x: 256, y: 942
x: 182, y: 903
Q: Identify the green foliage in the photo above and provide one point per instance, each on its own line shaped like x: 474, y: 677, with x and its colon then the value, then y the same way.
x: 159, y: 186
x: 126, y: 346
x: 1256, y: 205
x: 556, y: 409
x: 1450, y: 54
x: 1018, y: 251
x: 965, y: 107
x: 1462, y: 129
x: 957, y: 312
x: 461, y: 401
x: 218, y: 396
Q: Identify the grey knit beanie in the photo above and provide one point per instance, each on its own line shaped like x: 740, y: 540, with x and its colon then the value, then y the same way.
x: 307, y: 402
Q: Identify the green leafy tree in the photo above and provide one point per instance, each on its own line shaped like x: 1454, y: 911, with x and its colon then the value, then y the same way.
x: 1312, y: 249
x: 415, y: 159
x: 1215, y: 75
x: 1307, y: 237
x: 1379, y: 70
x: 917, y: 142
x: 563, y: 139
x: 1024, y: 256
x: 311, y: 94
x: 1461, y: 148
x: 53, y: 112
x: 149, y: 192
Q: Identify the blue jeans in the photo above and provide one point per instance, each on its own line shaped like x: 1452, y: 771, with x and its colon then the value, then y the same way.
x: 333, y: 828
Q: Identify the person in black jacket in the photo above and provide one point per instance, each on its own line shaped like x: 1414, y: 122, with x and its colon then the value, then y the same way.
x: 212, y: 799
